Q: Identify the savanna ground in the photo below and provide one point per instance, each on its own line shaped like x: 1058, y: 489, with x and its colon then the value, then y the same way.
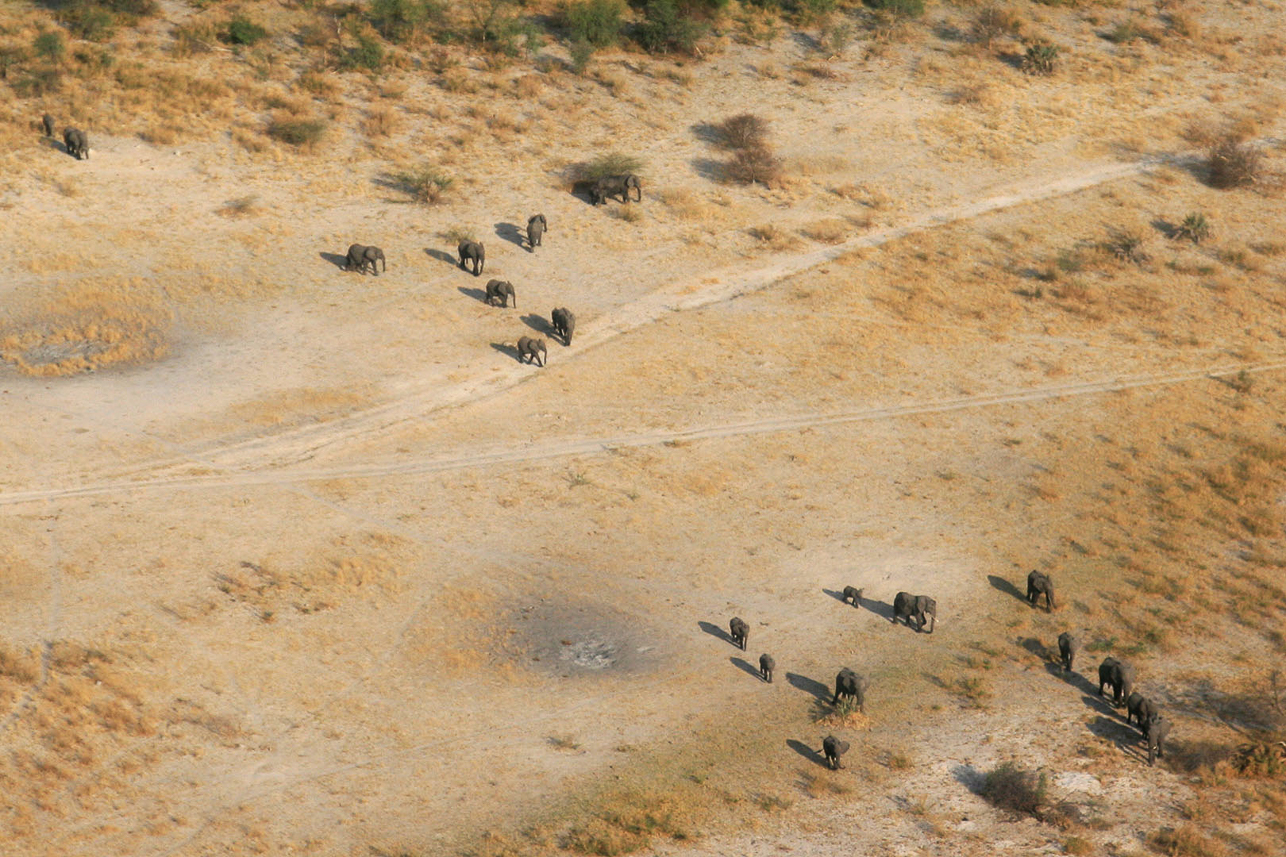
x: 308, y: 563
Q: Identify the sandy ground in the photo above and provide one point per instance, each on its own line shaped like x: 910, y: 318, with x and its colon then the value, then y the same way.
x: 325, y: 570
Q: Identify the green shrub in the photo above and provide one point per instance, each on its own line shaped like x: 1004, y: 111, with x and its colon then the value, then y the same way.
x: 404, y: 21
x: 297, y: 132
x: 611, y: 164
x: 426, y: 184
x: 1009, y: 787
x: 595, y: 22
x: 1040, y: 58
x: 38, y: 82
x: 1195, y: 227
x: 581, y: 53
x: 904, y: 8
x: 665, y: 29
x: 242, y: 31
x: 50, y: 45
x: 368, y: 53
x: 95, y: 20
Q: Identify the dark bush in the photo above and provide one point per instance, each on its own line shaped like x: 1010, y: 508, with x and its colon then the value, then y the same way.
x: 743, y: 131
x: 665, y: 29
x: 1232, y: 162
x: 297, y: 132
x: 595, y: 22
x: 95, y: 20
x: 368, y: 53
x: 242, y: 31
x: 405, y: 21
x: 1040, y: 58
x: 754, y: 164
x: 581, y: 53
x: 49, y: 45
x: 904, y: 8
x: 1011, y: 788
x: 1195, y: 228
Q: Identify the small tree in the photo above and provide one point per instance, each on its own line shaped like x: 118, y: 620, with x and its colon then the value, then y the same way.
x: 1012, y: 788
x: 596, y: 22
x: 50, y: 45
x: 1232, y: 162
x: 994, y: 22
x: 666, y: 30
x: 742, y: 131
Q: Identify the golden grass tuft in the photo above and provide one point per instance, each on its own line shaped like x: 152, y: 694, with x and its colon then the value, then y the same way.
x: 831, y: 230
x: 382, y: 121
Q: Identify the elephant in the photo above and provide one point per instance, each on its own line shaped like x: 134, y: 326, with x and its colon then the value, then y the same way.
x: 537, y: 226
x: 1119, y: 675
x: 1068, y: 645
x: 852, y: 595
x: 610, y: 186
x: 531, y: 349
x: 500, y: 293
x: 1039, y: 584
x: 1140, y: 709
x: 76, y: 142
x: 740, y: 632
x: 766, y: 666
x: 48, y: 122
x: 564, y: 323
x: 360, y: 255
x: 1157, y: 730
x: 833, y: 748
x: 850, y: 684
x: 906, y: 606
x: 472, y: 250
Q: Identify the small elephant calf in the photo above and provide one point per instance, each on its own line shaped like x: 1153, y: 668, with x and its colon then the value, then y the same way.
x: 531, y: 349
x: 360, y: 256
x: 48, y: 122
x: 766, y: 666
x: 536, y: 228
x: 1068, y: 645
x: 1158, y: 729
x: 833, y: 748
x: 852, y: 595
x: 740, y: 632
x: 564, y: 323
x: 1141, y: 710
x: 500, y: 293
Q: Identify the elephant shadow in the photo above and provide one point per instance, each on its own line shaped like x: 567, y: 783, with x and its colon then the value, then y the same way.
x: 507, y: 349
x: 814, y: 756
x: 1124, y: 737
x: 1101, y: 704
x: 808, y: 685
x: 746, y: 667
x: 838, y: 596
x: 336, y: 259
x: 1037, y: 648
x: 581, y: 190
x: 511, y: 233
x: 716, y: 631
x: 442, y: 256
x: 880, y: 608
x: 538, y: 323
x: 477, y: 294
x: 1005, y: 586
x: 1072, y: 677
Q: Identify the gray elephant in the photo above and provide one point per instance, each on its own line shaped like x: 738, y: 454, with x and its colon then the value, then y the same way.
x: 1068, y: 645
x: 531, y: 350
x: 472, y: 251
x: 564, y: 323
x: 740, y: 632
x: 1119, y: 675
x: 833, y: 748
x: 852, y: 595
x: 850, y: 684
x: 360, y: 256
x: 1140, y: 709
x: 906, y: 606
x: 1039, y: 584
x: 766, y: 666
x: 500, y: 293
x: 48, y: 122
x: 606, y: 188
x: 76, y: 142
x: 536, y: 228
x: 1157, y: 730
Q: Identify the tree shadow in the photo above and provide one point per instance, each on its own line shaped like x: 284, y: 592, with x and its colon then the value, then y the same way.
x: 477, y: 294
x: 339, y: 261
x: 707, y: 132
x: 808, y: 685
x: 746, y: 667
x: 814, y: 756
x: 1006, y: 587
x: 442, y: 256
x: 511, y: 233
x: 969, y: 777
x: 1071, y: 677
x: 710, y: 628
x: 1013, y: 59
x: 1164, y: 226
x: 538, y: 323
x: 709, y: 169
x: 506, y: 348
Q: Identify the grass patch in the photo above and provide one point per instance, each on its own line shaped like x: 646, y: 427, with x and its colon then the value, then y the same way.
x: 426, y: 184
x: 301, y: 133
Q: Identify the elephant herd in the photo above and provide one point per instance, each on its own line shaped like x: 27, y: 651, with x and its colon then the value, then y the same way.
x: 74, y: 139
x: 497, y: 293
x: 915, y: 611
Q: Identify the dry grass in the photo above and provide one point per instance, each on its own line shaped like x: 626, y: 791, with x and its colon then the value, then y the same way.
x: 775, y: 238
x: 1185, y: 841
x: 831, y: 230
x: 383, y: 121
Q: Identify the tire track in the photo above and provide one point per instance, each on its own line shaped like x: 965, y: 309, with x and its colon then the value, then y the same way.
x: 464, y: 459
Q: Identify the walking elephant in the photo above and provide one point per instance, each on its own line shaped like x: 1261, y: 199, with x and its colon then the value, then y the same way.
x: 920, y: 607
x: 536, y: 228
x: 1039, y: 584
x: 740, y: 632
x: 472, y: 251
x: 360, y: 256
